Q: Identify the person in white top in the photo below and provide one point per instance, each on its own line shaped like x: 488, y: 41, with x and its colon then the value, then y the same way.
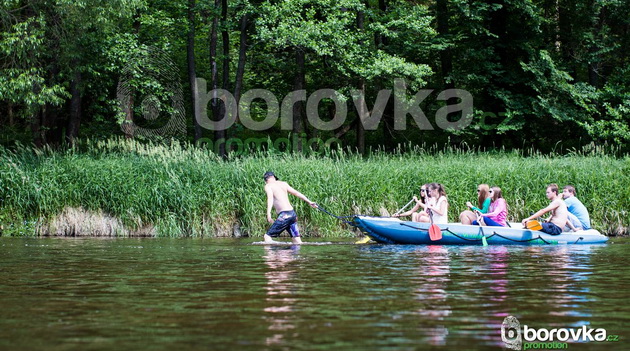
x: 439, y: 209
x: 423, y: 202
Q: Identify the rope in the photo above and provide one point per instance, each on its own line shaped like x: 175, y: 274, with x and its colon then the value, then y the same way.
x: 522, y: 241
x: 341, y: 218
x: 488, y: 237
x: 463, y: 238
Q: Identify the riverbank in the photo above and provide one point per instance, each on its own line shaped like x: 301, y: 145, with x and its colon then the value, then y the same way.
x: 127, y: 188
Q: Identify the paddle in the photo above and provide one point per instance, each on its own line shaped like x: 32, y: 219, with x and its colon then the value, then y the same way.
x: 484, y: 242
x: 435, y: 233
x: 533, y: 225
x: 399, y: 211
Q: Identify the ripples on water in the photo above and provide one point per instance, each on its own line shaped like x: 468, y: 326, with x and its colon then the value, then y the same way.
x: 162, y: 294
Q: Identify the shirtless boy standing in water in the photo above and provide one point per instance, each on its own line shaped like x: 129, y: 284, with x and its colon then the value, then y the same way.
x: 558, y: 209
x: 277, y: 196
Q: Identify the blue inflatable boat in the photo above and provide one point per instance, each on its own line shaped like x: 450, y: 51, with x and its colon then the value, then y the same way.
x: 395, y: 231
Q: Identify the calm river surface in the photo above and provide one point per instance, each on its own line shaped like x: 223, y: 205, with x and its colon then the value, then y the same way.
x: 212, y: 294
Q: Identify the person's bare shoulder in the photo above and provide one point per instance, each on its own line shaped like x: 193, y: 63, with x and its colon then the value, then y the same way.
x: 283, y: 185
x: 556, y: 203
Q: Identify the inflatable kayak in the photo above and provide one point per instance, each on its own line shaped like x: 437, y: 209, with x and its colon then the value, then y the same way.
x: 395, y: 231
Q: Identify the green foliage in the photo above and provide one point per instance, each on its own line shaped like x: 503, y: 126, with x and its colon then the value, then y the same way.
x: 185, y: 191
x: 536, y: 69
x: 22, y: 78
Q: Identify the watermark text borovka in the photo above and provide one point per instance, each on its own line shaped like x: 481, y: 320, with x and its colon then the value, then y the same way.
x: 516, y: 337
x: 403, y: 106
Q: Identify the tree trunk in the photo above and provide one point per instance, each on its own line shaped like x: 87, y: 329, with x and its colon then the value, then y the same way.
x: 128, y: 124
x: 214, y: 83
x: 388, y: 115
x: 36, y: 124
x: 360, y: 129
x: 298, y: 107
x: 52, y: 131
x: 593, y: 65
x: 72, y: 130
x: 10, y: 113
x: 192, y: 75
x: 446, y: 56
x: 242, y: 50
x: 225, y: 40
x: 380, y: 39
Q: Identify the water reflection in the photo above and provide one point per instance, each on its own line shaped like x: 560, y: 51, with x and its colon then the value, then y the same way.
x: 281, y: 291
x: 498, y: 272
x: 432, y: 292
x: 564, y: 277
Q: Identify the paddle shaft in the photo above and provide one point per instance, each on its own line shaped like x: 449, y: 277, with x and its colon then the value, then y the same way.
x: 402, y: 209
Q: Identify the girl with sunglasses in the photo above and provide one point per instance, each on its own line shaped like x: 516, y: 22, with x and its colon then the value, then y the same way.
x: 423, y: 202
x: 483, y: 201
x: 437, y: 209
x: 497, y: 214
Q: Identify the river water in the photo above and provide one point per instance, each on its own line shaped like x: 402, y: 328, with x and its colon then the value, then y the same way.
x: 213, y: 294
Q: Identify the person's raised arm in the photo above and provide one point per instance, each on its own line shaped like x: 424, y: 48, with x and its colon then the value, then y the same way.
x: 486, y: 206
x: 407, y: 213
x: 299, y: 195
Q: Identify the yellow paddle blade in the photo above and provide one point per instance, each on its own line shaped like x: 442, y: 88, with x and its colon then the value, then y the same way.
x: 533, y: 225
x: 365, y: 240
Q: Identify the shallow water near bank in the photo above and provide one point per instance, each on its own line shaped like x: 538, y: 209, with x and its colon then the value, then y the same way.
x: 190, y: 294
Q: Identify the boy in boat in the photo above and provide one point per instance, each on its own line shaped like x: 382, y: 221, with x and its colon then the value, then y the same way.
x: 277, y: 196
x: 576, y: 207
x: 558, y: 209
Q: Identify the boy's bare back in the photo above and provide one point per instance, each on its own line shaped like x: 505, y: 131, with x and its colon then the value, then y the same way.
x: 279, y: 191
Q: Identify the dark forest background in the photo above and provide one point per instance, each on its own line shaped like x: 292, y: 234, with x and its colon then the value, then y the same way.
x: 540, y: 71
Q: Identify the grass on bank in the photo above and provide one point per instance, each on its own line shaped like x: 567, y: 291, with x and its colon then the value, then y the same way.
x: 176, y: 190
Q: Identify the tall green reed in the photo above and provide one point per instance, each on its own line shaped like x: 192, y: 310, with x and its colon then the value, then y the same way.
x: 178, y: 190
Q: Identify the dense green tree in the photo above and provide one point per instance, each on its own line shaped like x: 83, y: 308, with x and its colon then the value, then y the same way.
x: 540, y: 72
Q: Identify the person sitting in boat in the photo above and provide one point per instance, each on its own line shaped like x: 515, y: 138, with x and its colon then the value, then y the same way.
x: 498, y: 211
x: 423, y: 202
x: 483, y: 201
x: 558, y: 209
x: 576, y: 207
x: 573, y: 223
x: 278, y: 198
x: 436, y: 212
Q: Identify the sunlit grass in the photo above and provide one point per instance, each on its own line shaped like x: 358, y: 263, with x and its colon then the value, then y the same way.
x: 179, y: 190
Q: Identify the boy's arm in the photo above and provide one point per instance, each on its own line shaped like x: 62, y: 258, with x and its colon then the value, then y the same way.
x: 298, y: 194
x: 552, y: 206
